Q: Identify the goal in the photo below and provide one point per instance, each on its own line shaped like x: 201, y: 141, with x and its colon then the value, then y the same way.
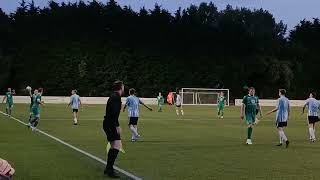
x: 202, y: 96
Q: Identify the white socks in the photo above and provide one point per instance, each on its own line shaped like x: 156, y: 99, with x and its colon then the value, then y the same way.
x: 312, y: 133
x: 75, y: 120
x: 133, y: 131
x: 282, y: 136
x: 177, y: 111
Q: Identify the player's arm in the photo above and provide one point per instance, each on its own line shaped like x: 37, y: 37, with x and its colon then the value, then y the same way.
x: 243, y: 107
x: 4, y: 98
x: 40, y: 102
x: 272, y: 111
x: 145, y: 105
x: 304, y: 107
x: 70, y: 102
x: 260, y: 109
x: 125, y: 106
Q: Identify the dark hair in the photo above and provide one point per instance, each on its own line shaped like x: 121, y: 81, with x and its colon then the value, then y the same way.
x: 283, y: 91
x: 75, y: 90
x: 314, y: 94
x: 117, y: 85
x: 132, y: 91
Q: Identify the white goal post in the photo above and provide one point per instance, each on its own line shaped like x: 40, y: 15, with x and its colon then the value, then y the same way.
x: 203, y: 96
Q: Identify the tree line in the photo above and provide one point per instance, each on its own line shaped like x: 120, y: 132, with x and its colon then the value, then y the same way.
x: 89, y: 45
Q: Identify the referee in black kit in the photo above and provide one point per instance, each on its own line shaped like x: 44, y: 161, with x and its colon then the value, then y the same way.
x: 112, y: 128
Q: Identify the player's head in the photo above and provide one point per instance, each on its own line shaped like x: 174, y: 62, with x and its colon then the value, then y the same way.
x: 312, y: 95
x: 36, y: 91
x: 9, y: 89
x: 132, y: 91
x: 159, y: 93
x: 118, y: 86
x: 40, y: 90
x: 282, y: 92
x: 74, y: 91
x: 221, y: 93
x: 251, y: 91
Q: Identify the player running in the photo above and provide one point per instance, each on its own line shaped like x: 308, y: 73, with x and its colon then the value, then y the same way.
x: 35, y: 108
x: 179, y: 104
x: 160, y: 101
x: 282, y: 117
x: 8, y: 97
x: 133, y: 103
x: 248, y: 108
x: 313, y: 107
x: 75, y: 102
x: 221, y: 103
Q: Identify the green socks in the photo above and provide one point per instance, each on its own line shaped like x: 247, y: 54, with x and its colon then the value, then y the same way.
x: 250, y: 132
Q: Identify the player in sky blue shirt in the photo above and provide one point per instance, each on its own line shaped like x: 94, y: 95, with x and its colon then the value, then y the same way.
x: 313, y: 108
x: 282, y: 117
x: 133, y: 103
x: 75, y: 102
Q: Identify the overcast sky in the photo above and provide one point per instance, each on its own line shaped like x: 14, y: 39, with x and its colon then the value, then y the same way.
x: 290, y: 11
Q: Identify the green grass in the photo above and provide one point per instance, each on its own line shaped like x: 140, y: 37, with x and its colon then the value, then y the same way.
x: 197, y: 146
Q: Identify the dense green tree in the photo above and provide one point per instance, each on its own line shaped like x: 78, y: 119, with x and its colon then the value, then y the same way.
x: 89, y: 45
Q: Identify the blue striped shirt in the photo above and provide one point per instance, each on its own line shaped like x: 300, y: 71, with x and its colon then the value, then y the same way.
x: 283, y: 109
x: 313, y: 106
x: 133, y: 103
x: 75, y: 101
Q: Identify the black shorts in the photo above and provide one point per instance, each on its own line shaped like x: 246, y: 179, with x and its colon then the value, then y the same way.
x: 111, y: 132
x: 313, y: 119
x: 75, y: 110
x: 178, y: 106
x: 282, y: 124
x: 133, y: 120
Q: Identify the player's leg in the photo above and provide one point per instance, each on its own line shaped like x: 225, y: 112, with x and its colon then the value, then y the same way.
x: 75, y: 116
x: 177, y: 110
x: 282, y: 135
x: 132, y: 123
x: 222, y: 112
x: 10, y: 109
x: 181, y: 109
x: 115, y: 141
x: 7, y: 109
x: 250, y: 118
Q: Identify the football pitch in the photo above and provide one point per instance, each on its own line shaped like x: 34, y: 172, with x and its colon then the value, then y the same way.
x: 195, y: 146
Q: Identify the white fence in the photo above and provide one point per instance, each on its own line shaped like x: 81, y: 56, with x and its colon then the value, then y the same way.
x: 273, y: 102
x: 66, y: 100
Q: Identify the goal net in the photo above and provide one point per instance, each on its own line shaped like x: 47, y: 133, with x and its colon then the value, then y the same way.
x: 201, y: 96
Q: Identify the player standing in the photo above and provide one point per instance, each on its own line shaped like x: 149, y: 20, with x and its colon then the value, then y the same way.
x: 160, y: 101
x: 112, y: 128
x: 35, y: 109
x: 133, y: 103
x: 313, y: 107
x: 248, y: 108
x: 221, y: 103
x: 179, y: 104
x: 75, y: 102
x: 8, y: 97
x: 282, y: 117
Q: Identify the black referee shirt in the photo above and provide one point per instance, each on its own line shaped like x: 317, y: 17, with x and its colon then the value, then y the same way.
x: 111, y: 118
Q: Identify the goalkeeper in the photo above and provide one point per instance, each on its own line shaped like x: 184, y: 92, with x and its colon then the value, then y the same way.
x: 221, y: 104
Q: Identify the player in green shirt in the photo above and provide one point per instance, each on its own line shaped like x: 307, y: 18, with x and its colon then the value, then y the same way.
x: 160, y: 100
x: 8, y: 97
x: 35, y: 108
x: 221, y: 103
x: 249, y: 108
